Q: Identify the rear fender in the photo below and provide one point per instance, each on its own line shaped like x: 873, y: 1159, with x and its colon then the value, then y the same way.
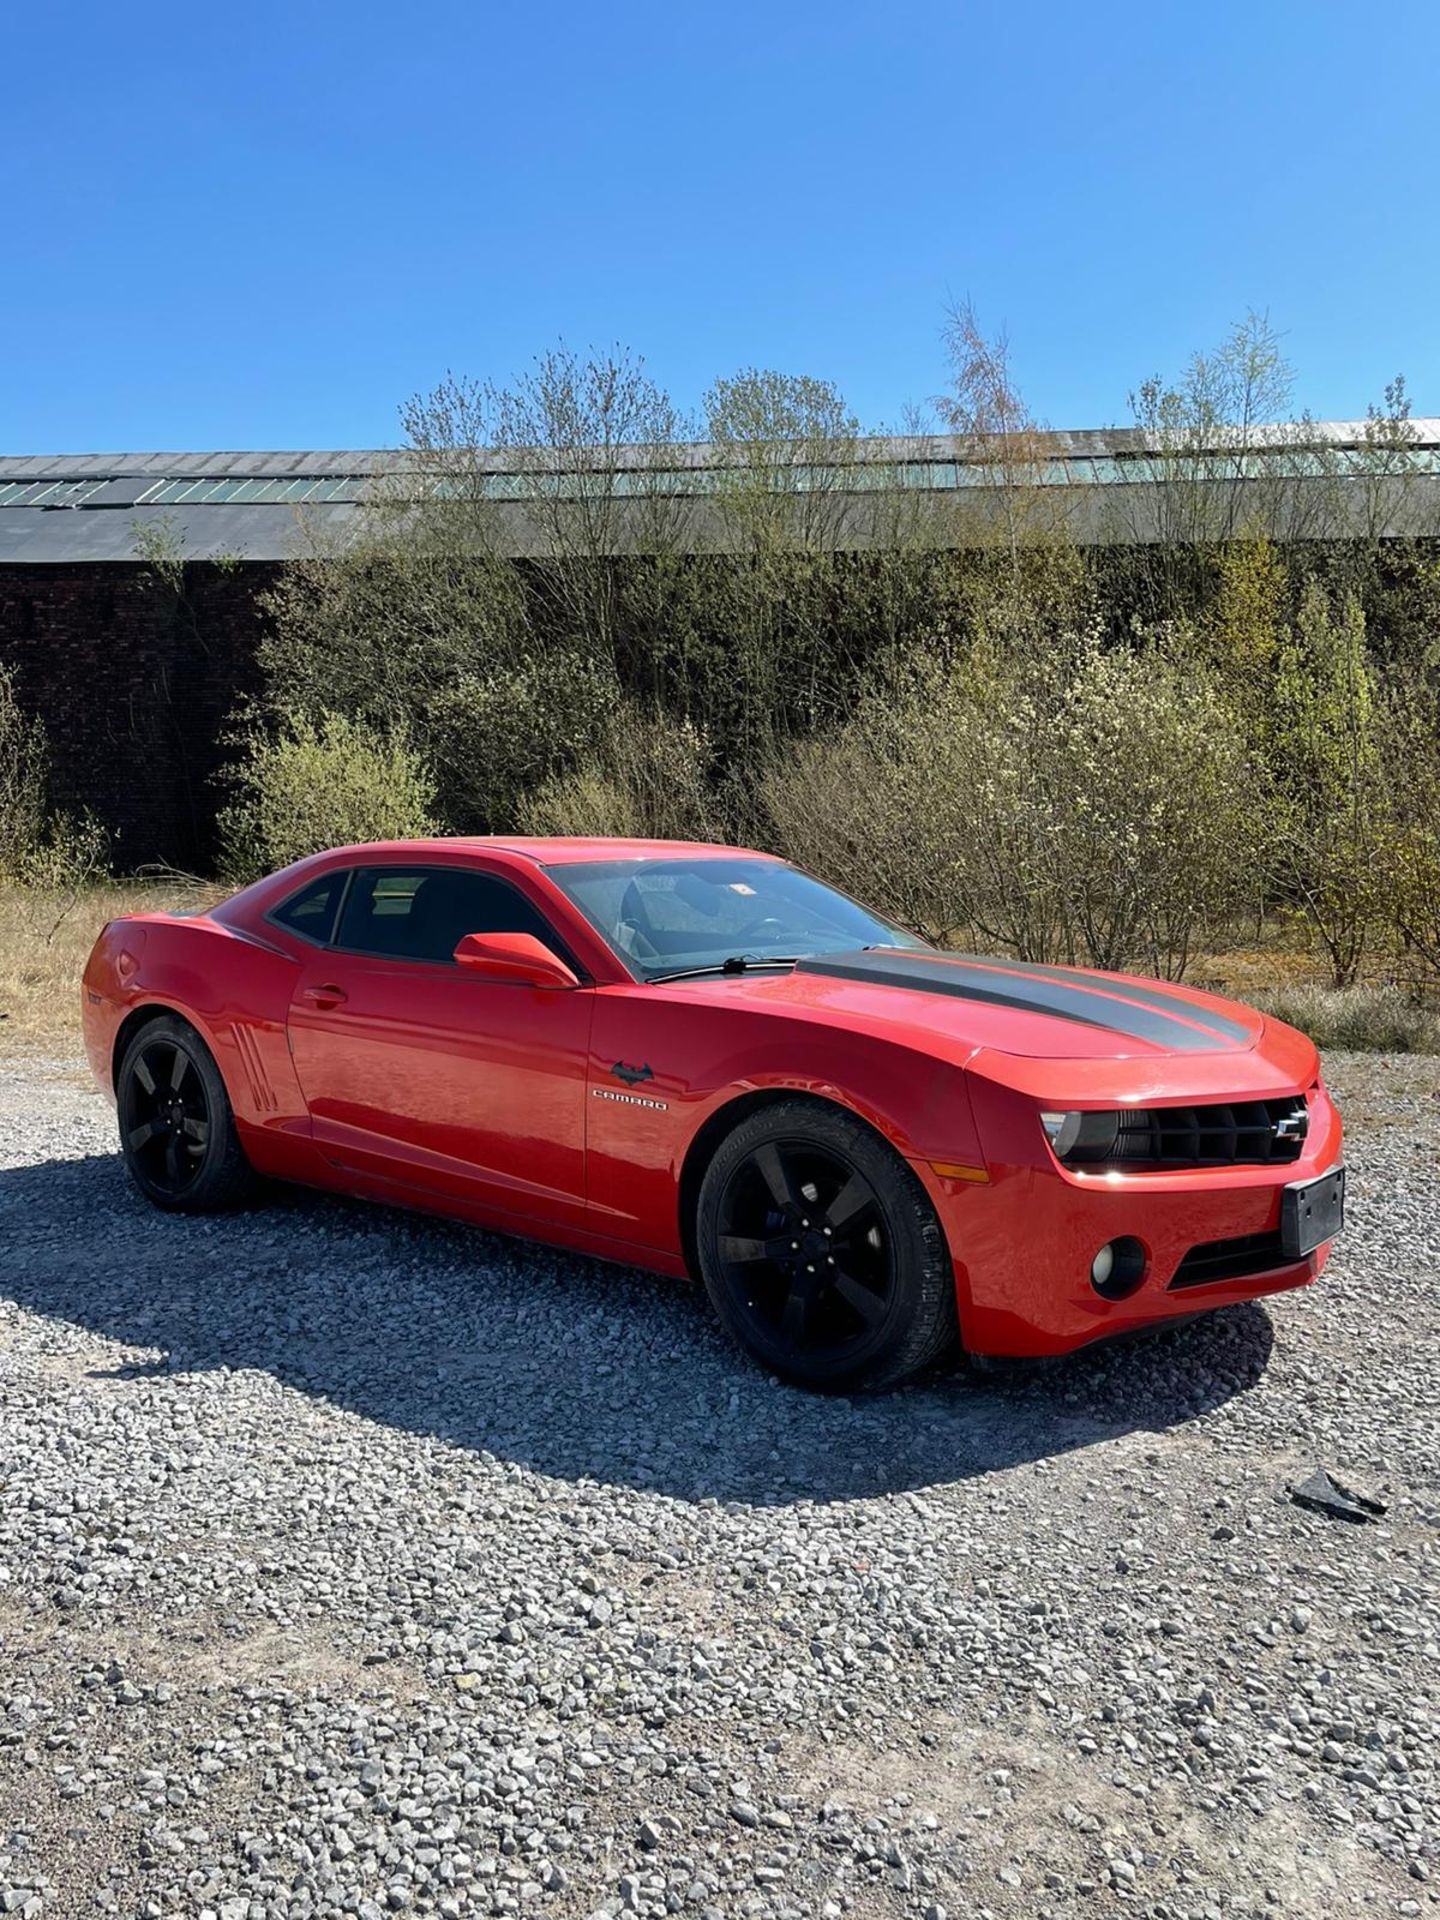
x: 234, y: 991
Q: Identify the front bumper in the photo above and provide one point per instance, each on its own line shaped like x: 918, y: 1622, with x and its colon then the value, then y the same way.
x: 1024, y: 1239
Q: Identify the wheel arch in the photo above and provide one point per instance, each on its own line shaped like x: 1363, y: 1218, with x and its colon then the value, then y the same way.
x: 141, y: 1016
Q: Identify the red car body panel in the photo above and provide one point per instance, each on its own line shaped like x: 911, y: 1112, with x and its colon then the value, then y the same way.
x: 577, y: 1115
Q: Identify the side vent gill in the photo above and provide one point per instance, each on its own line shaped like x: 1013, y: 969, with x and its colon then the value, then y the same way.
x: 251, y: 1059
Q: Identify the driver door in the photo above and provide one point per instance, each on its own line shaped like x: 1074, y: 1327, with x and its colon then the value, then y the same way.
x: 420, y: 1073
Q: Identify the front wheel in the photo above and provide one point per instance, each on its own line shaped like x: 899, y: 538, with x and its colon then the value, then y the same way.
x: 177, y: 1132
x: 821, y: 1253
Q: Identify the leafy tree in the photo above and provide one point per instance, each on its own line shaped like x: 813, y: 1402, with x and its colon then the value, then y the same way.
x: 1019, y: 577
x: 816, y: 569
x: 578, y: 457
x: 1247, y: 619
x: 1221, y: 460
x: 1329, y: 834
x: 1021, y: 509
x: 1410, y: 757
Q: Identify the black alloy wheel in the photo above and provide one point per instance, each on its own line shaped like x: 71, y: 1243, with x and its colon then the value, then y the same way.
x: 802, y: 1242
x: 821, y: 1252
x: 177, y: 1132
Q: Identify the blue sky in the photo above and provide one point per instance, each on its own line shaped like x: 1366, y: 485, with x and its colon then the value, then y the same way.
x: 265, y: 225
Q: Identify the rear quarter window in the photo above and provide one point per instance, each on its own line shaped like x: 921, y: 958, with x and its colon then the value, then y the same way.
x: 311, y: 912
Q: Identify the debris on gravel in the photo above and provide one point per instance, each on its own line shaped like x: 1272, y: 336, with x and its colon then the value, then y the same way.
x: 353, y: 1565
x: 1325, y: 1492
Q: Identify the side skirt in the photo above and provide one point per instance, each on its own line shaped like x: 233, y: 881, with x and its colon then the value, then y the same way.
x: 319, y: 1174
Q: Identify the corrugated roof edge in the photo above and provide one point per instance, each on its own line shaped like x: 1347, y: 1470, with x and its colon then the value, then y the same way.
x: 283, y: 463
x: 198, y: 466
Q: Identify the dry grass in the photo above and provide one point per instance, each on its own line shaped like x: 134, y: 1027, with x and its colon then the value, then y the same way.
x: 1283, y: 976
x: 1279, y: 954
x: 1359, y: 1019
x: 45, y: 940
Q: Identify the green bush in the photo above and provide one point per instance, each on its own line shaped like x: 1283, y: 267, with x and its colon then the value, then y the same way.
x: 1155, y: 832
x: 410, y: 632
x: 649, y: 775
x: 1083, y: 804
x: 844, y: 808
x: 70, y: 852
x: 325, y: 784
x: 497, y: 737
x: 586, y: 801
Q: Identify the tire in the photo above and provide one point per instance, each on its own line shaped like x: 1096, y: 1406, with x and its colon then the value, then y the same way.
x: 177, y: 1133
x: 821, y: 1253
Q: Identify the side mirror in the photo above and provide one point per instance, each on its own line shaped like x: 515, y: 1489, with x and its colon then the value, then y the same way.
x: 516, y: 959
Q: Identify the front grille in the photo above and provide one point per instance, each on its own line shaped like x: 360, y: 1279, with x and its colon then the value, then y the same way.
x: 1259, y: 1133
x: 1216, y: 1260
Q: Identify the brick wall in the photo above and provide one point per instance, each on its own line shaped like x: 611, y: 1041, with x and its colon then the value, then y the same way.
x: 135, y: 684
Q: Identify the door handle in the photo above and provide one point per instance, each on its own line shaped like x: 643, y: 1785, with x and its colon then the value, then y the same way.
x: 326, y: 996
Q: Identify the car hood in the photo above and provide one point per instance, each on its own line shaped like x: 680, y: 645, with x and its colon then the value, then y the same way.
x: 1005, y: 1006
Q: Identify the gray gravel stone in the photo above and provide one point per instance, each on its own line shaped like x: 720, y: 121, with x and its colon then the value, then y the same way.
x: 353, y: 1564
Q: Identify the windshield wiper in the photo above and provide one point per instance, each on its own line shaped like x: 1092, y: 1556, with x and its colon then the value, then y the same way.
x: 735, y: 963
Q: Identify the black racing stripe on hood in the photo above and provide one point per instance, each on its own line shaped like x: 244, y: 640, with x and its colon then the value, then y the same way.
x: 1159, y: 997
x: 1082, y: 1004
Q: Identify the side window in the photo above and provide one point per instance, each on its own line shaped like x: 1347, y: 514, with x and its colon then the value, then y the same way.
x: 423, y: 913
x: 311, y: 912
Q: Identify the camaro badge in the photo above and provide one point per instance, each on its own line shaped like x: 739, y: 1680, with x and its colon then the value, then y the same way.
x: 632, y: 1076
x: 631, y: 1099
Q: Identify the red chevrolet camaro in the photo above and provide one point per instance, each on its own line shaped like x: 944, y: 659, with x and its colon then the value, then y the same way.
x: 703, y: 1061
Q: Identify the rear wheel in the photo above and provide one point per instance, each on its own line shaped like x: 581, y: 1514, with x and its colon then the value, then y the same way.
x: 177, y: 1132
x: 821, y: 1252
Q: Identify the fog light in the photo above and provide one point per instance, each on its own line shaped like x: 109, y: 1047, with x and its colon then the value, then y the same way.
x: 1118, y: 1268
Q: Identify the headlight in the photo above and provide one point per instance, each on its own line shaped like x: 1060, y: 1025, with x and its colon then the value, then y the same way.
x: 1081, y: 1136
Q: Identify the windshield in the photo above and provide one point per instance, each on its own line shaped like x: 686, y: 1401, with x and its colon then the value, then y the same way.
x: 666, y: 916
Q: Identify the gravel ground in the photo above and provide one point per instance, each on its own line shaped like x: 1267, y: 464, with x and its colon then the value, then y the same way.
x: 352, y: 1564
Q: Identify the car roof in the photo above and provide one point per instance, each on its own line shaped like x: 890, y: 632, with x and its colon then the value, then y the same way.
x: 555, y: 850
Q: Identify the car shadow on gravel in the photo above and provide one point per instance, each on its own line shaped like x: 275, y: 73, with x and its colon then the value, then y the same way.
x: 583, y: 1371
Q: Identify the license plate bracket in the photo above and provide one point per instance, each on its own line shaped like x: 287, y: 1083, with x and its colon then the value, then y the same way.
x: 1312, y: 1212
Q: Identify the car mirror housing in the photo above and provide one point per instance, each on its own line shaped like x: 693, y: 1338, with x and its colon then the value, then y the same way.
x: 516, y: 959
